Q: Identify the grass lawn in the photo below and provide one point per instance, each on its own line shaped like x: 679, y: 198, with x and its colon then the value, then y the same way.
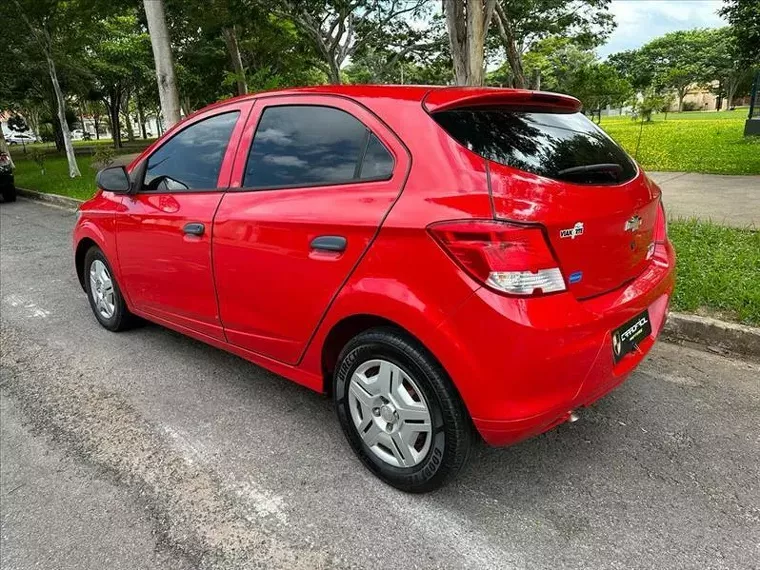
x: 718, y: 270
x: 56, y: 178
x: 706, y: 142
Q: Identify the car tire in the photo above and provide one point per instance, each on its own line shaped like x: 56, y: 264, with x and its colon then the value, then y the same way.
x: 388, y: 374
x: 9, y: 194
x: 104, y: 294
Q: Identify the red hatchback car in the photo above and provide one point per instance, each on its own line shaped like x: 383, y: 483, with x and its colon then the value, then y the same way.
x: 442, y: 261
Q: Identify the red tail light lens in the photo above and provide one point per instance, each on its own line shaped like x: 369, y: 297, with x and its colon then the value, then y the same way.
x: 510, y: 258
x: 661, y: 225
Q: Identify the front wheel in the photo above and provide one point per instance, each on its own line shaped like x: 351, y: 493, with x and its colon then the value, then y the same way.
x: 400, y: 411
x: 103, y: 292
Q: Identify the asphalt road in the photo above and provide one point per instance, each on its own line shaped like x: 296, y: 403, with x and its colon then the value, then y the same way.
x: 150, y: 450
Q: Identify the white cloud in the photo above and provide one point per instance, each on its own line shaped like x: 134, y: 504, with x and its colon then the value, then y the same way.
x: 639, y: 21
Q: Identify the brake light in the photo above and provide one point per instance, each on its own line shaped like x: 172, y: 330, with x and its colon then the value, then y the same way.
x: 509, y: 258
x: 661, y: 225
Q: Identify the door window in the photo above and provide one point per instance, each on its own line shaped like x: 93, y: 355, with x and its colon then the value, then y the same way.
x: 309, y: 145
x: 192, y: 158
x: 377, y: 162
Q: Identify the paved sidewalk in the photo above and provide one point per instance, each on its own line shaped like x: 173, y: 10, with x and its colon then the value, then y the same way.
x: 729, y: 200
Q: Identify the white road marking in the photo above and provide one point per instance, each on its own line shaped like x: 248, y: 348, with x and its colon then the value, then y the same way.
x: 257, y: 501
x: 30, y: 307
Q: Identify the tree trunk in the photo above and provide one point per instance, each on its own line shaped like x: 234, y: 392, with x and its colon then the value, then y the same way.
x: 141, y: 118
x: 230, y: 39
x: 475, y: 38
x: 113, y: 104
x: 96, y: 119
x: 333, y: 71
x: 510, y: 45
x: 467, y: 22
x: 4, y: 148
x: 70, y: 157
x: 455, y: 24
x: 681, y: 95
x: 162, y: 54
x: 127, y: 117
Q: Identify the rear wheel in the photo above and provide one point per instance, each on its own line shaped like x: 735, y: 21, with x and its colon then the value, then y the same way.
x: 103, y: 292
x: 400, y: 412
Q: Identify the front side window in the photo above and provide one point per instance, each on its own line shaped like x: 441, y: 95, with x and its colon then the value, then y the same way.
x: 192, y: 158
x: 308, y: 145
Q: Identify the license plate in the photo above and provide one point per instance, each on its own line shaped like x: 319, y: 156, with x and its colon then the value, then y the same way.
x: 627, y: 337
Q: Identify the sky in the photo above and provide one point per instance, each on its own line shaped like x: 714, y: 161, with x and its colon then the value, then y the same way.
x: 639, y: 21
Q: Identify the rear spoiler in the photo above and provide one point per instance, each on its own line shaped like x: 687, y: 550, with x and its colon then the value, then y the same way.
x: 448, y: 98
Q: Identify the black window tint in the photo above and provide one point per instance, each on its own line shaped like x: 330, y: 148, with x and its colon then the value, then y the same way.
x: 193, y: 157
x: 377, y: 162
x: 302, y: 145
x: 549, y: 144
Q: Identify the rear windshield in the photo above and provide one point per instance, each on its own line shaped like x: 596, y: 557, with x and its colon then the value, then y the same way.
x: 563, y: 146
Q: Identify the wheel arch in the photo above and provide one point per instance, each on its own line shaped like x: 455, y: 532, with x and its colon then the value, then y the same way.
x: 350, y: 326
x: 83, y: 247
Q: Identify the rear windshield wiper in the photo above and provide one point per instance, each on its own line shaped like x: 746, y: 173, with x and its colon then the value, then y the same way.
x: 615, y: 169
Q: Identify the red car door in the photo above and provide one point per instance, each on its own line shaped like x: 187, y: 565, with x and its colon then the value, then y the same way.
x: 308, y: 193
x: 164, y: 229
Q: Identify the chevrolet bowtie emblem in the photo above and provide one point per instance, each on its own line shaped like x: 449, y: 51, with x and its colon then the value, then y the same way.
x: 632, y: 224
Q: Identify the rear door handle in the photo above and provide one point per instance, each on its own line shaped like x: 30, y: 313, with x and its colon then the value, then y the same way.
x: 329, y: 243
x: 194, y: 229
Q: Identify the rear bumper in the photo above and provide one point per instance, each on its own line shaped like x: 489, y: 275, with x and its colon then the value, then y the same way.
x: 523, y: 364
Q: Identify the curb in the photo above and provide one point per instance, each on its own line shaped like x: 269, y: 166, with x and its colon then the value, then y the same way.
x: 713, y: 335
x: 55, y: 199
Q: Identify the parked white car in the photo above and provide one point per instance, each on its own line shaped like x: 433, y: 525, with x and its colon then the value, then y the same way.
x: 79, y: 134
x: 20, y: 138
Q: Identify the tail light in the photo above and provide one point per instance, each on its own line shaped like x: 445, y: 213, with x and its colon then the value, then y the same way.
x: 661, y: 225
x: 509, y: 258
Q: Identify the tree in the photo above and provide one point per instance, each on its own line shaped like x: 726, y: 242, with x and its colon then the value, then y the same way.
x: 162, y: 54
x: 725, y: 65
x: 119, y: 61
x: 744, y: 18
x: 47, y: 21
x: 467, y: 22
x: 338, y: 28
x: 523, y: 23
x: 557, y: 60
x: 678, y: 60
x: 427, y: 61
x: 634, y: 67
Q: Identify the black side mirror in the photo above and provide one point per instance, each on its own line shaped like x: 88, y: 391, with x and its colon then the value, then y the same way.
x: 114, y: 179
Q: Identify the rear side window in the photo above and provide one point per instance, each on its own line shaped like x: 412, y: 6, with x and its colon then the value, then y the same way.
x: 192, y: 158
x: 563, y: 146
x: 378, y: 162
x: 309, y: 145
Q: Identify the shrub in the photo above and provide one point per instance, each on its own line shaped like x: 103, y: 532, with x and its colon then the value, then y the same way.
x: 38, y: 156
x: 103, y: 156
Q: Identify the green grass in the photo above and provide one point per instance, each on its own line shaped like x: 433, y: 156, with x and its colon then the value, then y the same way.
x: 718, y: 270
x: 56, y: 179
x: 708, y: 142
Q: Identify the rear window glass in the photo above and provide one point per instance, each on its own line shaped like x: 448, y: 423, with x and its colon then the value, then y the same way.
x: 563, y: 146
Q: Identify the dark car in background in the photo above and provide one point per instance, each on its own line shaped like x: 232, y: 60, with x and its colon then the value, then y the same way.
x: 7, y: 184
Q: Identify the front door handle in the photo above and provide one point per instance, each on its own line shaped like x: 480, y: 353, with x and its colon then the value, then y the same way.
x: 194, y: 229
x: 329, y: 243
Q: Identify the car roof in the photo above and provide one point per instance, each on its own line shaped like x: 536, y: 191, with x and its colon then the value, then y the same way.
x: 436, y: 97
